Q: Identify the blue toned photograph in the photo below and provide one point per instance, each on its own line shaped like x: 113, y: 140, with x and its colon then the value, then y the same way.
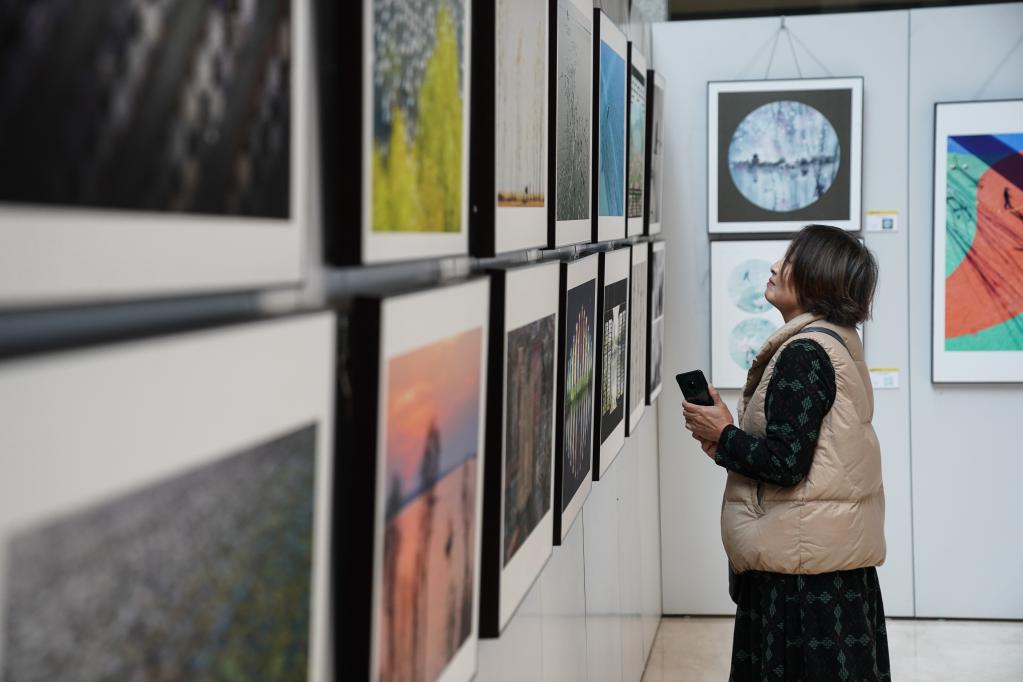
x: 784, y: 156
x: 611, y: 160
x: 746, y: 340
x: 746, y: 285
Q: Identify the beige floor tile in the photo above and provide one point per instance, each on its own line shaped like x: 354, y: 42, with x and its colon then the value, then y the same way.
x: 698, y: 649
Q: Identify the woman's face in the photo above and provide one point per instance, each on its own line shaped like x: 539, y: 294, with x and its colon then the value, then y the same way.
x: 780, y: 293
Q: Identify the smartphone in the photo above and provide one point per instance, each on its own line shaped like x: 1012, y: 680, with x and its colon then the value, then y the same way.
x: 694, y: 387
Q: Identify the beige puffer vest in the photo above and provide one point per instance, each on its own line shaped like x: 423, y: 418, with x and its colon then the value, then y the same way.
x: 832, y: 520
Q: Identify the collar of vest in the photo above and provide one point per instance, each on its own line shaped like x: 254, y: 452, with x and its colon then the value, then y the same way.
x: 770, y: 347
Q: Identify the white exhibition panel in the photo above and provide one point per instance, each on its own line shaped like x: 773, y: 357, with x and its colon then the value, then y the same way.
x: 966, y: 464
x: 585, y: 625
x: 92, y: 425
x: 693, y: 561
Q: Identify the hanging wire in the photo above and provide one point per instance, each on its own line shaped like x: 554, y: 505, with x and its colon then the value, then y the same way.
x: 807, y: 50
x: 792, y: 49
x: 777, y: 34
x: 756, y: 56
x: 998, y: 69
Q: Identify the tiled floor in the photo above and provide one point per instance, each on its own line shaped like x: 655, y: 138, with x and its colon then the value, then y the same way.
x: 697, y: 650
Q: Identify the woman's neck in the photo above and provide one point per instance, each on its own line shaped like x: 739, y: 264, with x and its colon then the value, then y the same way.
x: 789, y: 315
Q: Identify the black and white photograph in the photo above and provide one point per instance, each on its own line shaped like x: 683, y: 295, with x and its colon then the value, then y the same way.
x: 638, y: 321
x: 654, y: 151
x: 655, y: 339
x: 612, y: 357
x: 134, y: 133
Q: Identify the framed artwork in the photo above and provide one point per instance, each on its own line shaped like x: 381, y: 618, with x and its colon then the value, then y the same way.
x: 639, y: 283
x: 179, y: 170
x: 654, y: 151
x: 636, y: 196
x: 741, y: 318
x: 518, y: 475
x: 610, y: 120
x: 784, y: 153
x: 508, y: 183
x: 978, y: 242
x: 414, y: 473
x: 405, y: 195
x: 182, y: 506
x: 577, y: 387
x: 655, y: 338
x: 571, y: 135
x: 612, y: 357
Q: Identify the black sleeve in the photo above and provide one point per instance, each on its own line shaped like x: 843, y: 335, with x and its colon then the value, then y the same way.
x: 800, y: 393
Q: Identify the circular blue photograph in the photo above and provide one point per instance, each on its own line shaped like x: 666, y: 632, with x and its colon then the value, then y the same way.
x: 784, y: 156
x: 747, y: 339
x: 746, y: 285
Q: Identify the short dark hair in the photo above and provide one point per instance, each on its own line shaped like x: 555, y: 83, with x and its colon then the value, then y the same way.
x: 833, y: 273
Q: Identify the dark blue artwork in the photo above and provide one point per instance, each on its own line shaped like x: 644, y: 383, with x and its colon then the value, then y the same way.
x: 611, y: 166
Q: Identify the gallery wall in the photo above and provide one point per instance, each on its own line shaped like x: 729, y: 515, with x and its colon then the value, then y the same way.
x: 919, y: 424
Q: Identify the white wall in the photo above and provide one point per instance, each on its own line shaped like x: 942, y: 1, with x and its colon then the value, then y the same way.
x: 593, y: 613
x: 965, y: 563
x: 967, y: 459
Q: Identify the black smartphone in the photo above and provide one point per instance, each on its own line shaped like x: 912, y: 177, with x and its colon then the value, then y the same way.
x: 694, y: 387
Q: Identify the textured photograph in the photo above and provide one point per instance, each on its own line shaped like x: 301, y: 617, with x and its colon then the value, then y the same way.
x: 429, y: 563
x: 657, y: 270
x: 614, y: 356
x: 574, y: 91
x: 637, y: 339
x: 611, y: 131
x: 203, y: 576
x: 529, y: 434
x: 784, y: 156
x: 656, y: 349
x: 418, y: 90
x: 637, y: 142
x: 656, y: 143
x: 521, y: 111
x: 984, y: 243
x: 746, y: 340
x: 173, y: 106
x: 577, y: 450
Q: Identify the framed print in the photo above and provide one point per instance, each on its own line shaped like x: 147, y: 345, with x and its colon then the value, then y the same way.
x: 638, y: 292
x: 610, y: 111
x: 655, y: 335
x: 654, y: 151
x: 182, y: 506
x: 978, y: 242
x: 571, y: 102
x: 518, y: 477
x: 784, y: 153
x: 577, y: 387
x: 180, y: 170
x: 394, y: 84
x: 741, y: 318
x: 508, y: 183
x: 612, y: 357
x: 408, y: 568
x: 635, y: 196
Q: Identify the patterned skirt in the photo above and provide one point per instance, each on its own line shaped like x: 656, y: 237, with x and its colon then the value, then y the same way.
x: 810, y: 628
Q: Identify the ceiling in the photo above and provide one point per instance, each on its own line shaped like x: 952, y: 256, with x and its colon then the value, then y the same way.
x: 705, y: 9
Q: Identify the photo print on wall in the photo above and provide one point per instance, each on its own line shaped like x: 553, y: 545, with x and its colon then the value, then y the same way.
x: 612, y: 357
x: 610, y: 108
x: 509, y: 136
x: 638, y: 292
x: 784, y: 153
x: 177, y: 534
x: 518, y: 517
x: 637, y: 141
x: 978, y: 242
x: 571, y: 93
x: 412, y: 492
x: 654, y: 151
x: 655, y: 340
x: 577, y: 387
x: 741, y: 318
x: 117, y: 170
x: 408, y: 191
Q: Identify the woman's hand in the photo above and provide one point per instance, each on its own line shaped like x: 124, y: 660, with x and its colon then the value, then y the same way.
x: 707, y: 423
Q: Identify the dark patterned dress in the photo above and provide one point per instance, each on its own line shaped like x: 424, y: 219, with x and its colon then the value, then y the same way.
x: 810, y: 628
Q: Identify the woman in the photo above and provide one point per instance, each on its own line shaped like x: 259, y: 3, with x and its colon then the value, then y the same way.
x: 803, y: 514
